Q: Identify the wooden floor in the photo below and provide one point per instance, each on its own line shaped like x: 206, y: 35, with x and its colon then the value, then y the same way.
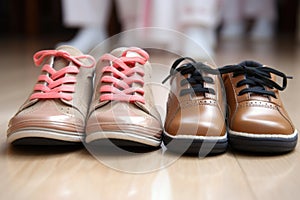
x: 76, y: 173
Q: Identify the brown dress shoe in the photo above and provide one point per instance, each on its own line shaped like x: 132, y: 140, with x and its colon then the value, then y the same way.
x: 257, y: 120
x: 122, y: 109
x: 56, y: 110
x: 195, y: 120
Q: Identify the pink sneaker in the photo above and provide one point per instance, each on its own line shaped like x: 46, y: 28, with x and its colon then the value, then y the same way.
x: 123, y: 109
x: 56, y: 110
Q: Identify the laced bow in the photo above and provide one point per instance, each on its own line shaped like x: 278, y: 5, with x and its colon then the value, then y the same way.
x: 125, y: 79
x: 257, y: 78
x: 196, y: 78
x: 55, y: 84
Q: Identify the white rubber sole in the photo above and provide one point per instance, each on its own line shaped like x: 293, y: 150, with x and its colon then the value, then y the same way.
x: 123, y: 136
x: 266, y: 136
x: 192, y: 144
x: 264, y: 143
x: 45, y: 134
x: 210, y: 138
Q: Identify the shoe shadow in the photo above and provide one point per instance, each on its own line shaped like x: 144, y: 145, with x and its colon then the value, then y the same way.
x: 243, y: 153
x: 114, y: 147
x: 39, y: 150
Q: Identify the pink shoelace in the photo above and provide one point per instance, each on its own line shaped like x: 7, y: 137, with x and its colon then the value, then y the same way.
x: 51, y: 84
x: 124, y: 73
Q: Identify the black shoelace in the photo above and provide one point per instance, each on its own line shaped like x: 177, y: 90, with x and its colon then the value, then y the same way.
x: 196, y: 78
x: 257, y: 78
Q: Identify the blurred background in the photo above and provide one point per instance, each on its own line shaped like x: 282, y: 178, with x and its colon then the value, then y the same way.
x: 36, y: 19
x: 43, y: 20
x: 27, y: 26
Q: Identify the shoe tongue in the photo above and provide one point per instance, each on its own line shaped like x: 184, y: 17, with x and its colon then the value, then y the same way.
x: 259, y: 97
x: 71, y: 50
x: 131, y: 54
x: 119, y: 51
x: 60, y: 62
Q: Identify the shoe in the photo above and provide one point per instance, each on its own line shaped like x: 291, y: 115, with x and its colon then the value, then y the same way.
x: 56, y: 110
x: 195, y: 120
x: 257, y: 120
x: 122, y: 109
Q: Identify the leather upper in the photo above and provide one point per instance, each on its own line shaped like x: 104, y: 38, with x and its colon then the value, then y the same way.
x: 195, y: 114
x: 112, y: 115
x: 255, y: 113
x: 59, y: 114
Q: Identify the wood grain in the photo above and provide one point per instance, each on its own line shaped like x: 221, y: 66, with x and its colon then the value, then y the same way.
x: 73, y: 173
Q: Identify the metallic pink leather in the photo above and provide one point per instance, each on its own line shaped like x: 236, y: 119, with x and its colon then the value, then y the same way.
x: 122, y: 107
x: 55, y: 112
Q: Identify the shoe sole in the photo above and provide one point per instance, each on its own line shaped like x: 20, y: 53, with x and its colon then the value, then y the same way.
x: 100, y: 146
x: 44, y: 137
x: 195, y: 145
x: 125, y: 139
x: 263, y: 143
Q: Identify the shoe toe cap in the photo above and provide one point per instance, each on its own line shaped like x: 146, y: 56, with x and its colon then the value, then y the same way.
x: 208, y: 121
x: 48, y: 116
x: 261, y: 120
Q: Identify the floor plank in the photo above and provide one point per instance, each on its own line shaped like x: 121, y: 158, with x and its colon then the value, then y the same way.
x: 73, y: 173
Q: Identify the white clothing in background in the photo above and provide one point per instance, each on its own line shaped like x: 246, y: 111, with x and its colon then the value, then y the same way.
x: 195, y: 18
x: 235, y: 12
